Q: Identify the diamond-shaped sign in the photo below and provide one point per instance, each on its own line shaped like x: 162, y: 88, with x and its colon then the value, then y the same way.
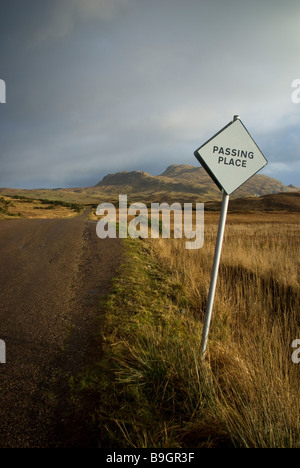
x: 231, y: 157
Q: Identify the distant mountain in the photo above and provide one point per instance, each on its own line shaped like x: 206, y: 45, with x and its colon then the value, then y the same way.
x: 188, y: 181
x: 179, y: 182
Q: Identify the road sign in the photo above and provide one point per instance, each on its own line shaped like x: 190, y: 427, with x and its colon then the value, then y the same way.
x: 231, y: 157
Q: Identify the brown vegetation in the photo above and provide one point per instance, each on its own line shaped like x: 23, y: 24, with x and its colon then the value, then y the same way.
x: 22, y: 207
x: 256, y: 318
x: 154, y: 389
x: 179, y: 182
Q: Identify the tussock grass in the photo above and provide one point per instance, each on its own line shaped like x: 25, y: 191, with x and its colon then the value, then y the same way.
x: 23, y: 207
x: 153, y: 389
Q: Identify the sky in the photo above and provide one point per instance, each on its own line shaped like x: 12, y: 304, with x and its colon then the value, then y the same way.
x: 99, y: 86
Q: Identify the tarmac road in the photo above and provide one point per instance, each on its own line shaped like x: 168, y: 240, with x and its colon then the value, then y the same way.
x: 52, y: 274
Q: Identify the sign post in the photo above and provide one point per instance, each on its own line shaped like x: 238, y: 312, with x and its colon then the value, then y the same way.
x: 231, y: 157
x: 214, y: 275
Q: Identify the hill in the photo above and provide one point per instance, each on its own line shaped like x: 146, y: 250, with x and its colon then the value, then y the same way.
x: 288, y: 202
x: 188, y: 182
x: 179, y: 182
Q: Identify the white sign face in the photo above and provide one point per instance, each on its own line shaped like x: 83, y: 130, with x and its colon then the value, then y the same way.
x: 231, y: 157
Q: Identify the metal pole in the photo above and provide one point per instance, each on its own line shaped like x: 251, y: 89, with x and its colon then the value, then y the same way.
x: 215, y: 270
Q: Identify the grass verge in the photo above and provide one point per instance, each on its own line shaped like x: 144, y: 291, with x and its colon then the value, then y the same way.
x: 151, y: 388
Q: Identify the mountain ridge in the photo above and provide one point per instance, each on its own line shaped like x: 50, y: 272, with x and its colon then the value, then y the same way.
x: 178, y: 182
x: 185, y: 178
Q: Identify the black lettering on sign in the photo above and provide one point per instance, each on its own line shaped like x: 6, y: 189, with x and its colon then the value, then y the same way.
x: 238, y: 156
x: 240, y: 153
x: 232, y: 162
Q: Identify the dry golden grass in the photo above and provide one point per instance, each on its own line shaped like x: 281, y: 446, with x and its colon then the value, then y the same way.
x: 152, y: 387
x: 30, y: 208
x: 256, y: 318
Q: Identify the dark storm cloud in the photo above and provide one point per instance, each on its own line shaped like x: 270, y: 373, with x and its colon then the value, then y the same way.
x: 99, y: 86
